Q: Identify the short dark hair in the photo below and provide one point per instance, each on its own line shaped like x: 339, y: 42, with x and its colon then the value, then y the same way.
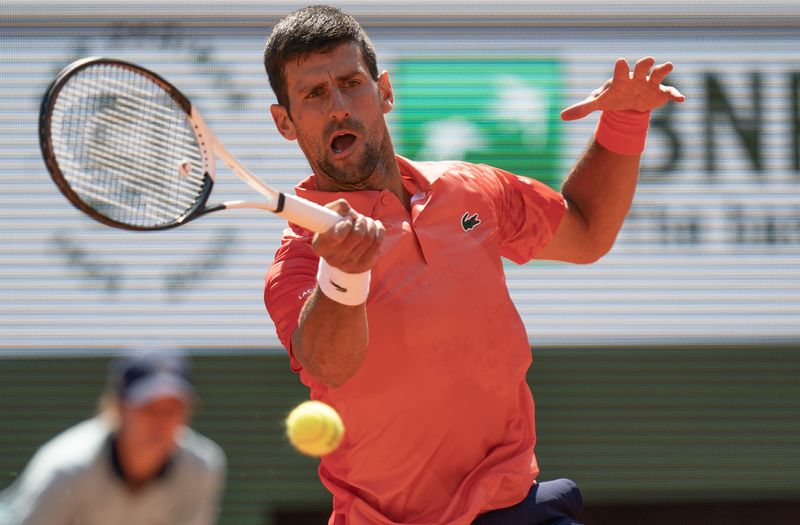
x: 312, y: 29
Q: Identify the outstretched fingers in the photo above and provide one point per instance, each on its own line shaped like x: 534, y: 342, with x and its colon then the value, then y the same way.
x: 579, y: 110
x: 660, y: 72
x: 621, y: 71
x: 642, y: 67
x: 639, y: 90
x: 673, y: 94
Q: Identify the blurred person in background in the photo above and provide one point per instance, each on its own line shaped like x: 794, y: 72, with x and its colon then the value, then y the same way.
x: 135, y: 463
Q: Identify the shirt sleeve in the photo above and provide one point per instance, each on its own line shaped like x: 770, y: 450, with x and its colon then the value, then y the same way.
x: 528, y: 214
x: 39, y: 497
x: 290, y: 279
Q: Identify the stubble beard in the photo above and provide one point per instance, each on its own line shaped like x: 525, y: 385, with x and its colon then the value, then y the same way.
x: 361, y: 172
x: 358, y: 175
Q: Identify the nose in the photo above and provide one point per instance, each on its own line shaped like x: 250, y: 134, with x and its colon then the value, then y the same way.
x: 338, y: 109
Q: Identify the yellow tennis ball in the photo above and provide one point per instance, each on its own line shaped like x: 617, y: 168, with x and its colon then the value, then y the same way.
x: 314, y: 428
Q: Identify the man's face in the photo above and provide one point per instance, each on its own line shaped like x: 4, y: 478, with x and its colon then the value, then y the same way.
x: 336, y: 114
x: 152, y: 429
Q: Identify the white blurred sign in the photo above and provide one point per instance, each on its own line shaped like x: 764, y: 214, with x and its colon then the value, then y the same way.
x: 709, y: 252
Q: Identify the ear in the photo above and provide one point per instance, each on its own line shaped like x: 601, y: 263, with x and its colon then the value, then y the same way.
x: 283, y: 121
x: 386, y: 92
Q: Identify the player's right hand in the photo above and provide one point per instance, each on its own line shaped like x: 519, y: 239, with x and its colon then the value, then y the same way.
x: 353, y: 244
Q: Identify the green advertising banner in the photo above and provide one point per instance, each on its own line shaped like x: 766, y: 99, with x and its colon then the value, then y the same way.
x: 503, y: 112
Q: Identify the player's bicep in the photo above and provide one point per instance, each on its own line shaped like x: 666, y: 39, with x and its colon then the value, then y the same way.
x: 571, y: 241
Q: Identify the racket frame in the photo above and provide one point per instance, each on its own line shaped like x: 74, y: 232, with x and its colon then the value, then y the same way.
x: 304, y: 213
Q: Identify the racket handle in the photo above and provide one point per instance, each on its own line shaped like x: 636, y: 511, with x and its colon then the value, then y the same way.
x: 307, y: 214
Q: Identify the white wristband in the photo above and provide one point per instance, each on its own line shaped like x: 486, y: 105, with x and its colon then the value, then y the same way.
x: 350, y: 289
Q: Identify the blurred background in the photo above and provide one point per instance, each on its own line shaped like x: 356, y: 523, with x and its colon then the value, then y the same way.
x: 667, y: 375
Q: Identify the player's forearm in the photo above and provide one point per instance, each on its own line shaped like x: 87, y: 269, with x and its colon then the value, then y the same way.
x: 331, y: 339
x: 601, y: 188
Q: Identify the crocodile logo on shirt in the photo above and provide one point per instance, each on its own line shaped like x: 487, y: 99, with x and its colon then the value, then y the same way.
x: 469, y: 222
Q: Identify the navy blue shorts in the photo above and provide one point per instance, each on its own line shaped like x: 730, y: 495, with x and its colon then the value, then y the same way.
x: 556, y: 502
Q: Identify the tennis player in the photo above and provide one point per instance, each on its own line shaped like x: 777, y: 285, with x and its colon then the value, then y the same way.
x: 135, y: 463
x: 399, y: 316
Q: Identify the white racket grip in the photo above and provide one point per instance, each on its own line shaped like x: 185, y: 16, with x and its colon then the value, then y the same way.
x: 307, y: 214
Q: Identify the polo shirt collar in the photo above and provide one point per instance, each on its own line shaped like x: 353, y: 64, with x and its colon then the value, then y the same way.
x: 417, y: 177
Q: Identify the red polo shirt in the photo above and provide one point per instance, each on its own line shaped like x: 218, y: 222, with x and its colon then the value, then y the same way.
x: 439, y: 419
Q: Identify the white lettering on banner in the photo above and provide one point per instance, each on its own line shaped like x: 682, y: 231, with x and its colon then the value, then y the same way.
x: 745, y: 190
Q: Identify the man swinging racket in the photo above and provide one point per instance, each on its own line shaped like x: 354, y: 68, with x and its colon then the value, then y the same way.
x: 399, y: 316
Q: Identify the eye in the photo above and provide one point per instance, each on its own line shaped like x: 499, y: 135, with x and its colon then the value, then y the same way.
x: 317, y: 91
x: 352, y: 83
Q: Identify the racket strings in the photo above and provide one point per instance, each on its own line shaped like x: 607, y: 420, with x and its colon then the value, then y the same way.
x: 125, y: 147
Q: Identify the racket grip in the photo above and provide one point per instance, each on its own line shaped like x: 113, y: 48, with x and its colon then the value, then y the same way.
x: 307, y: 214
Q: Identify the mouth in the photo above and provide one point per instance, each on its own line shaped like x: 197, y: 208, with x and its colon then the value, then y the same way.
x: 342, y: 143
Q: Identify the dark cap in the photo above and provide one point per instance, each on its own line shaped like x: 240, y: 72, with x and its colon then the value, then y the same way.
x: 138, y: 378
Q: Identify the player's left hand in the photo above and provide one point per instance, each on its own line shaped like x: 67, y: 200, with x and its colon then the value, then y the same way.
x: 629, y: 90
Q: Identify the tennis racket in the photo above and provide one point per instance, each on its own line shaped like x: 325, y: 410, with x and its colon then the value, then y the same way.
x: 129, y: 150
